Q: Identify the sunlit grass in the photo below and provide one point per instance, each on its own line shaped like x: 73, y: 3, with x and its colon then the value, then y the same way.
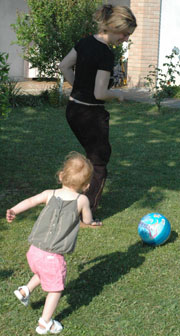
x: 115, y: 284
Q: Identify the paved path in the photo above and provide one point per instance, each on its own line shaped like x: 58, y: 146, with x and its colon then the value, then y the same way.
x: 134, y: 94
x: 34, y: 86
x: 143, y: 95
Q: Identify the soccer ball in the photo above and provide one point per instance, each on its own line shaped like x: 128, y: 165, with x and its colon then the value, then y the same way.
x: 154, y: 229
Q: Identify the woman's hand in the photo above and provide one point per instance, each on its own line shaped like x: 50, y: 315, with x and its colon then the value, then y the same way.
x: 101, y: 91
x: 120, y: 96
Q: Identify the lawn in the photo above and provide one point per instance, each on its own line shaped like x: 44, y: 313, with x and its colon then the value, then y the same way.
x: 116, y: 285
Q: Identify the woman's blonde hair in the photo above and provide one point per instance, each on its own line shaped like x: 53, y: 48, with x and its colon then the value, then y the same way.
x: 119, y: 19
x: 76, y: 172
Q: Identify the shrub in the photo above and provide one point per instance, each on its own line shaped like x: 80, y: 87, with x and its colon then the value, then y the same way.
x: 4, y: 96
x: 161, y: 81
x: 172, y: 91
x: 50, y: 29
x: 13, y: 92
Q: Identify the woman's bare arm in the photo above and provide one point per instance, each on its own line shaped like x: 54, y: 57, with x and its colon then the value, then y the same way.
x: 67, y: 64
x: 101, y: 90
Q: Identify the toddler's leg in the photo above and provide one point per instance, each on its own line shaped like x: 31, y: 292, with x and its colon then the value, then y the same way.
x: 33, y: 283
x: 45, y: 322
x: 23, y: 292
x: 51, y: 303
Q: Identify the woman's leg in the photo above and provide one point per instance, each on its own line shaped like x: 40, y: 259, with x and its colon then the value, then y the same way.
x: 96, y: 187
x: 91, y: 127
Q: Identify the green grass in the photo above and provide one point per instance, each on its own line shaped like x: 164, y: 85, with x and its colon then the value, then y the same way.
x: 116, y: 286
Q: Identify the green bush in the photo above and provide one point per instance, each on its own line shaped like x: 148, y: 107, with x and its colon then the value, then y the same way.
x: 13, y: 92
x: 172, y: 91
x: 50, y: 29
x: 32, y: 100
x: 162, y: 82
x: 4, y: 95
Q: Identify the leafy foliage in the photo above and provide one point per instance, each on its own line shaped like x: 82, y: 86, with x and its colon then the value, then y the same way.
x: 4, y: 96
x: 120, y: 50
x: 160, y: 81
x: 51, y: 28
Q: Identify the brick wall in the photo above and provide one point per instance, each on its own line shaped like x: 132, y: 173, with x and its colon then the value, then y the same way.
x: 145, y: 47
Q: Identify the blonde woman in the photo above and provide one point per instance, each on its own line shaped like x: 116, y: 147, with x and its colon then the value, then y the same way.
x: 93, y: 61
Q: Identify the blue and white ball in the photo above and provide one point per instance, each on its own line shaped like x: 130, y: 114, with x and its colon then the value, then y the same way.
x: 154, y: 229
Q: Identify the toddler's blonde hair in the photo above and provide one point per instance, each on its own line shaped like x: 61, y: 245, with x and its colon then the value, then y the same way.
x: 119, y: 19
x: 76, y: 172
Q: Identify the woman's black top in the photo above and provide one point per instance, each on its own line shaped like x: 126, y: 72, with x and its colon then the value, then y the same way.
x: 92, y: 55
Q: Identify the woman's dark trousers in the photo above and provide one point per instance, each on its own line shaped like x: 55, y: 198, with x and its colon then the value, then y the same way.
x: 90, y: 124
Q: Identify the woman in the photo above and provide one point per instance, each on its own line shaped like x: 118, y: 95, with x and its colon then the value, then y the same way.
x: 94, y: 61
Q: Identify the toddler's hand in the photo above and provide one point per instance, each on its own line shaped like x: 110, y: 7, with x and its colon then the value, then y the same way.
x: 10, y: 215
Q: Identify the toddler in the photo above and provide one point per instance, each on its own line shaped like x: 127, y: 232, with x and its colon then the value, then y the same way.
x: 54, y: 234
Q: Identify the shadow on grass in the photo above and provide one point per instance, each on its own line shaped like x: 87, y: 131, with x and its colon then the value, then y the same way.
x: 145, y: 159
x: 174, y: 235
x: 3, y: 226
x: 144, y: 162
x: 38, y: 304
x: 108, y: 269
x: 4, y: 274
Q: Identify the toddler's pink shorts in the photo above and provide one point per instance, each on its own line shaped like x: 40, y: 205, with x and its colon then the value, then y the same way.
x: 50, y: 267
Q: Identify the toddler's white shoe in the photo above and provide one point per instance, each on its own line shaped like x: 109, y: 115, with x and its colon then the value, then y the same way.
x: 23, y: 299
x: 52, y: 327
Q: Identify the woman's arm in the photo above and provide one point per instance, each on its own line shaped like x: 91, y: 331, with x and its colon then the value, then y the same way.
x: 27, y: 204
x: 101, y: 91
x: 66, y: 66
